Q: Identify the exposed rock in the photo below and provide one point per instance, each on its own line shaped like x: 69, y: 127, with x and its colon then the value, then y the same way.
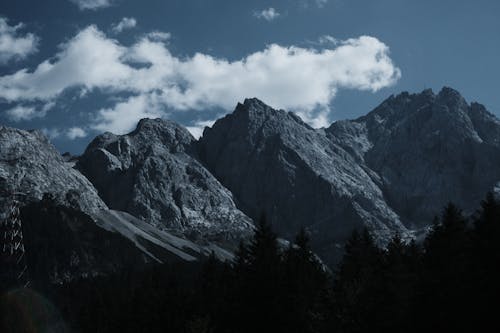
x: 152, y: 174
x: 68, y: 230
x: 276, y: 164
x: 29, y: 164
x: 427, y: 149
x: 391, y: 171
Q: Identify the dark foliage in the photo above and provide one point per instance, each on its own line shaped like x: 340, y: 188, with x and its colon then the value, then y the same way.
x: 448, y: 283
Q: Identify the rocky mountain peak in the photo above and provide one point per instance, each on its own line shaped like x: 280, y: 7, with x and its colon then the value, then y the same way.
x: 29, y: 164
x: 450, y: 95
x: 164, y: 131
x: 255, y: 112
x: 277, y: 165
x: 161, y: 127
x: 427, y: 149
x: 153, y: 174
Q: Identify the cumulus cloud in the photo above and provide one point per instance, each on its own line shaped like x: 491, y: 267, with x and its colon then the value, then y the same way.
x: 76, y: 133
x: 124, y: 24
x: 304, y: 80
x: 267, y: 14
x: 124, y: 115
x: 91, y: 4
x: 13, y: 44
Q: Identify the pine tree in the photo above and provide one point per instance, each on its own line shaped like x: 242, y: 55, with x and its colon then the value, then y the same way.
x: 357, y: 283
x: 257, y: 287
x: 307, y: 287
x: 486, y: 261
x: 400, y: 269
x: 445, y: 281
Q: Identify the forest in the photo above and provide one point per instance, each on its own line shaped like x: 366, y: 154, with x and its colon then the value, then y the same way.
x: 448, y: 282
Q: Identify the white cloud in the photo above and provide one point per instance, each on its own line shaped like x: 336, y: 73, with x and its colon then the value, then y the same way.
x: 124, y: 116
x: 13, y: 44
x: 91, y: 4
x: 51, y: 133
x: 76, y: 133
x: 267, y: 14
x: 327, y: 39
x: 88, y: 60
x: 197, y: 129
x: 304, y: 80
x: 124, y: 24
x: 158, y: 36
x: 21, y: 112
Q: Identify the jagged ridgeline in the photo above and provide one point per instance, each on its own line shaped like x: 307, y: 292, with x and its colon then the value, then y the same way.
x: 166, y: 196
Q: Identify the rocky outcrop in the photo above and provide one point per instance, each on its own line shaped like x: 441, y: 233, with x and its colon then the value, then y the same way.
x: 174, y: 197
x: 276, y: 164
x: 31, y: 166
x: 427, y: 149
x: 152, y: 173
x: 69, y: 232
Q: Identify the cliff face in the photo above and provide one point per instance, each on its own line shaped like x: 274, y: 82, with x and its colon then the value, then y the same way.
x: 153, y: 174
x: 276, y: 164
x: 69, y: 232
x: 29, y: 164
x: 170, y: 197
x: 427, y: 149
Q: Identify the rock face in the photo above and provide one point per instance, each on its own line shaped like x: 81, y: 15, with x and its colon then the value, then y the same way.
x: 391, y: 170
x: 276, y: 164
x: 162, y: 195
x: 427, y: 149
x: 69, y: 232
x: 152, y: 173
x: 31, y: 165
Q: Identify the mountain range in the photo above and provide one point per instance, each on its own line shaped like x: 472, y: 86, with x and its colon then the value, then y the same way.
x: 160, y: 195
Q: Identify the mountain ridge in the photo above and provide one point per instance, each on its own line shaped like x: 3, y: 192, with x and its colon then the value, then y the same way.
x: 390, y: 170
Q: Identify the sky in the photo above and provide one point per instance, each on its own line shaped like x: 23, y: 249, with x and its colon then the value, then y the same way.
x: 77, y: 68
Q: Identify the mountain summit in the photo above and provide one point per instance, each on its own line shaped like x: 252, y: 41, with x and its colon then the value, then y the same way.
x: 391, y: 170
x: 169, y: 195
x: 277, y: 165
x: 153, y: 174
x: 427, y: 149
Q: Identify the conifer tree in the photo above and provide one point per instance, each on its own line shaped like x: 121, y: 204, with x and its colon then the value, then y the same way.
x: 307, y: 288
x: 357, y: 283
x: 445, y: 284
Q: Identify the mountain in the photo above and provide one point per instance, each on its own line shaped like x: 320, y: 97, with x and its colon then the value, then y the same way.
x: 29, y: 164
x: 276, y: 164
x: 69, y: 232
x: 391, y: 170
x: 160, y: 195
x: 427, y: 149
x: 153, y: 174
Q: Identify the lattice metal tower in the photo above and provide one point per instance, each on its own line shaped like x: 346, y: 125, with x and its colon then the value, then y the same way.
x: 13, y: 268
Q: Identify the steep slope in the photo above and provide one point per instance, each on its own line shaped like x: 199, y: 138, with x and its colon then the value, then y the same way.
x: 69, y: 232
x: 63, y: 243
x: 151, y: 173
x: 31, y: 165
x: 428, y: 149
x: 276, y: 164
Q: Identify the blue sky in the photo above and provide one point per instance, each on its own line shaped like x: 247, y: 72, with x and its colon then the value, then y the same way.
x: 75, y: 68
